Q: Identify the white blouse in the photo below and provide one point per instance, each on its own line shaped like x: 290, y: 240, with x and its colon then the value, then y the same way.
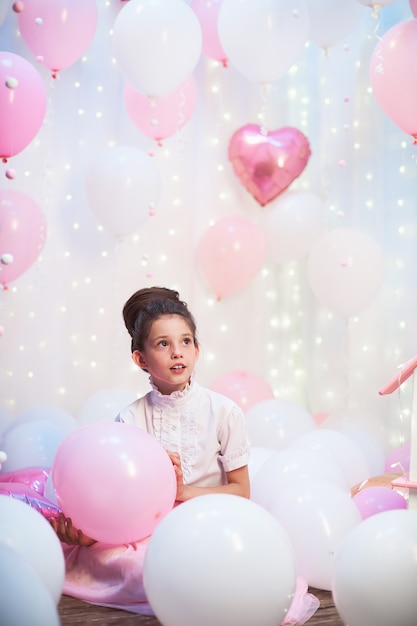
x: 207, y: 430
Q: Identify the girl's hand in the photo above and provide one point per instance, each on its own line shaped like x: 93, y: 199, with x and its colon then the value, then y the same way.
x: 68, y: 534
x: 176, y: 462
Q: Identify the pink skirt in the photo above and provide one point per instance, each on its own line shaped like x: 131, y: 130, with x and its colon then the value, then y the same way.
x: 112, y: 576
x: 107, y: 575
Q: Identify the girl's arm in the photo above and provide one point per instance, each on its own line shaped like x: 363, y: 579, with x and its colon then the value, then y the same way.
x: 237, y: 482
x: 68, y: 534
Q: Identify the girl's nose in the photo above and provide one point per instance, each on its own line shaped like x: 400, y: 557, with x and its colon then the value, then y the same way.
x: 176, y: 351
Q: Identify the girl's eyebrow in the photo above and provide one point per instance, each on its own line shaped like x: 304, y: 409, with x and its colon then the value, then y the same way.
x: 183, y: 336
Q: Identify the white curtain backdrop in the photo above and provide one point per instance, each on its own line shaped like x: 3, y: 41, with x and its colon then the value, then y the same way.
x: 63, y: 338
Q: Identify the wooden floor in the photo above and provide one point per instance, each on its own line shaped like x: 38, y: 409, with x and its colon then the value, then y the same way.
x: 76, y: 613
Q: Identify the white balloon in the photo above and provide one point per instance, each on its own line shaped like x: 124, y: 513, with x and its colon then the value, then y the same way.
x: 370, y: 446
x: 6, y: 420
x: 59, y: 418
x: 104, y: 405
x: 285, y: 466
x: 4, y: 9
x: 122, y: 185
x: 375, y: 574
x: 208, y: 542
x: 263, y: 39
x: 157, y: 44
x: 24, y: 599
x: 31, y: 444
x: 339, y: 447
x: 345, y: 270
x: 294, y: 223
x: 360, y: 419
x: 317, y: 516
x: 258, y: 456
x: 376, y: 3
x: 276, y: 423
x: 332, y: 20
x: 30, y: 535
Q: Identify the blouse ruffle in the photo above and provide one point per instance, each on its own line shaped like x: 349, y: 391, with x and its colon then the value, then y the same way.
x: 207, y: 429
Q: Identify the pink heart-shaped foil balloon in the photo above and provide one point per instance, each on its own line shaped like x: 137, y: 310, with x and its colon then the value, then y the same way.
x: 266, y: 163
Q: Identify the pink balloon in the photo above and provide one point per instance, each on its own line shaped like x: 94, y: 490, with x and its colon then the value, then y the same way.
x: 22, y: 233
x: 159, y: 118
x: 231, y: 253
x: 398, y: 459
x: 266, y: 163
x: 114, y: 480
x: 413, y: 7
x: 58, y: 32
x: 24, y: 493
x: 22, y: 104
x: 393, y: 77
x: 375, y: 500
x: 207, y: 12
x: 243, y: 387
x: 33, y: 477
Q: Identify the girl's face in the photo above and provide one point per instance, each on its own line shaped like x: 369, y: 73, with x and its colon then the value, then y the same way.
x: 170, y: 354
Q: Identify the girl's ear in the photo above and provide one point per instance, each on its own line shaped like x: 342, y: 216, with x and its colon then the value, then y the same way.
x: 138, y: 359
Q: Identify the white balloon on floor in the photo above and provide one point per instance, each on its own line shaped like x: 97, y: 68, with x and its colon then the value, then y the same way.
x: 30, y: 535
x: 375, y: 576
x: 24, y: 599
x: 339, y: 447
x: 219, y: 559
x: 317, y: 517
x: 285, y: 466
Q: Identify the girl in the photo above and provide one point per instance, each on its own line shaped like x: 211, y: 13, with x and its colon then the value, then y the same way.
x: 203, y: 432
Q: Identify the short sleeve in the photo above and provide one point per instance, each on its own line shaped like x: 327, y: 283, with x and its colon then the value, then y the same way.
x: 234, y: 441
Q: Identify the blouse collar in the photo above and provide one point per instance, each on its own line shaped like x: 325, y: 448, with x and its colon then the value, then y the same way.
x: 160, y: 398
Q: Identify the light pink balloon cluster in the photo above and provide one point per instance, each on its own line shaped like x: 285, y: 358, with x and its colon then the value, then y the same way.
x: 160, y: 118
x: 231, y: 253
x: 22, y: 235
x: 20, y: 84
x: 58, y: 32
x: 393, y: 75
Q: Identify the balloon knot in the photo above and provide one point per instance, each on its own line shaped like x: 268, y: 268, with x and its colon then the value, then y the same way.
x: 4, y: 159
x: 414, y: 135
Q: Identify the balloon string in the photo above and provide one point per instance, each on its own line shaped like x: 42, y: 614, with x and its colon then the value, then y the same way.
x: 181, y: 119
x: 398, y: 466
x: 266, y: 101
x: 379, y: 69
x: 346, y: 394
x: 325, y: 177
x: 49, y: 123
x: 117, y: 336
x: 375, y: 12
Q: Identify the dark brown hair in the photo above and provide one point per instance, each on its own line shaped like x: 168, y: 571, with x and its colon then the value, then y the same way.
x: 149, y: 304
